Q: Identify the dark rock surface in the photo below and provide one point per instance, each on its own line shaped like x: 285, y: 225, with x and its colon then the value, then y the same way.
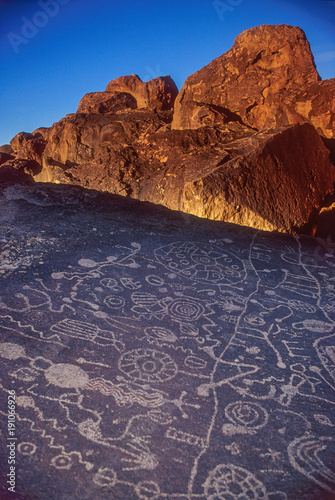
x: 272, y: 180
x: 17, y: 170
x: 155, y: 355
x: 277, y: 181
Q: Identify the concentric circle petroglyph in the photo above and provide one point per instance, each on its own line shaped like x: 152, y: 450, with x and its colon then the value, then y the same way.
x: 247, y: 414
x: 148, y: 365
x: 62, y: 462
x: 26, y: 448
x: 186, y: 309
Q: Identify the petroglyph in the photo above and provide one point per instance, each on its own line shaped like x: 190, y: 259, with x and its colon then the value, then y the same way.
x: 229, y: 481
x: 185, y: 437
x: 148, y: 365
x: 314, y: 457
x: 176, y: 366
x: 244, y: 418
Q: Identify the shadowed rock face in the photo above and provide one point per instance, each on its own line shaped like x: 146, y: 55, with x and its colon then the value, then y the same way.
x: 260, y: 80
x: 235, y: 147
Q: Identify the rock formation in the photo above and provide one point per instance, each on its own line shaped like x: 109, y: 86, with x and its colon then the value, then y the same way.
x: 267, y: 79
x: 106, y: 102
x: 159, y: 93
x: 240, y: 142
x: 274, y: 186
x: 129, y: 92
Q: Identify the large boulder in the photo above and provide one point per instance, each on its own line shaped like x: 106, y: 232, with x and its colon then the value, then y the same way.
x: 6, y: 149
x: 106, y: 102
x: 159, y: 93
x: 267, y: 79
x: 316, y: 102
x: 279, y: 184
x: 5, y: 157
x: 14, y: 171
x: 28, y: 146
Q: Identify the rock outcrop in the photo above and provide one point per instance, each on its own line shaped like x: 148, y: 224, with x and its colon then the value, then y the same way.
x: 278, y: 184
x: 6, y: 148
x: 20, y: 171
x: 247, y: 140
x: 99, y: 148
x: 273, y: 180
x: 28, y: 146
x: 129, y: 92
x: 159, y: 93
x: 316, y: 103
x: 106, y: 102
x: 267, y: 79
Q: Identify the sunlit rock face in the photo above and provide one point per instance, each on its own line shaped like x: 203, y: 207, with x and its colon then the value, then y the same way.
x: 267, y: 79
x: 129, y: 92
x: 159, y: 93
x: 279, y: 184
x: 249, y: 139
x: 28, y: 146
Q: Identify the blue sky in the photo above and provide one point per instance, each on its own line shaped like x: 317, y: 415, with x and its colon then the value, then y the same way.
x: 54, y: 51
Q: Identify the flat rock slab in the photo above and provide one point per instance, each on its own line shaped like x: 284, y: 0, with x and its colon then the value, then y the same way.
x: 154, y: 355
